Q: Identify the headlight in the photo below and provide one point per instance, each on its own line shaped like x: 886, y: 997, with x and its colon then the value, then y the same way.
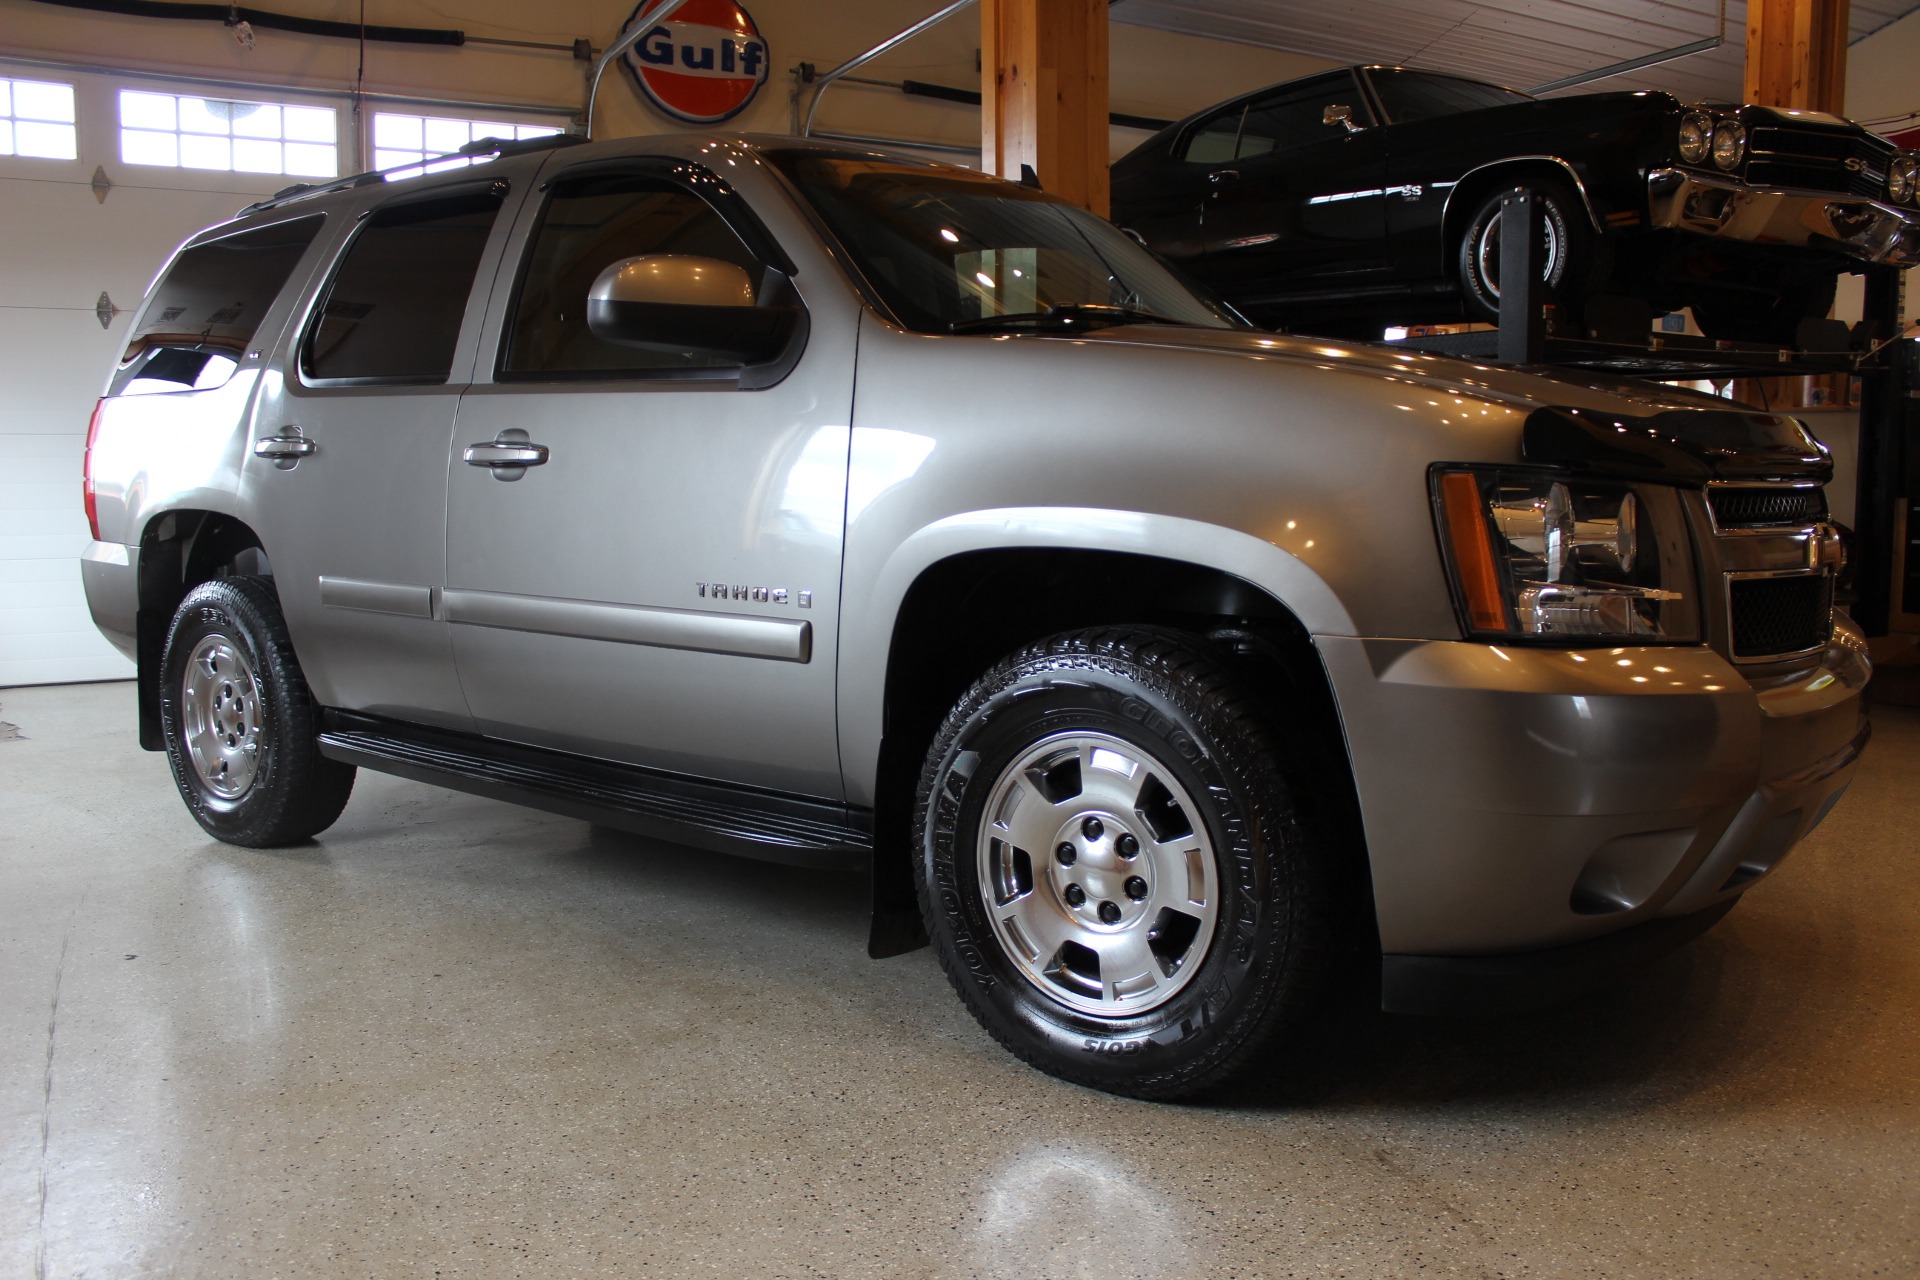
x: 1696, y: 137
x: 1900, y: 179
x: 1549, y: 558
x: 1729, y: 144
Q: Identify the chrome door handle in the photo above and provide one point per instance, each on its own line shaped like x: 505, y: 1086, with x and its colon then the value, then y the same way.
x: 505, y: 453
x: 285, y: 449
x: 1220, y: 176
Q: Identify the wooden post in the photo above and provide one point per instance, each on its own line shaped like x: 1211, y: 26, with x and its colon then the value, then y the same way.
x: 1797, y: 54
x: 1043, y: 95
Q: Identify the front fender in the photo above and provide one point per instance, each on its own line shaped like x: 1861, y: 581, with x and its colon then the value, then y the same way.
x: 872, y: 606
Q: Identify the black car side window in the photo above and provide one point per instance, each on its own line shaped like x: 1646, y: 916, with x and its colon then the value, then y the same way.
x: 1217, y: 140
x: 589, y: 224
x: 1294, y: 119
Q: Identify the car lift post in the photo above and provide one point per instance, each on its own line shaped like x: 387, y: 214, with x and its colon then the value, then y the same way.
x: 1523, y: 321
x: 1887, y: 398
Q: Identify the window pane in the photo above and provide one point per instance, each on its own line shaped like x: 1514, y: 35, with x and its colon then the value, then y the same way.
x: 147, y: 111
x: 35, y: 100
x: 589, y: 224
x: 310, y: 160
x: 140, y: 147
x: 535, y: 131
x: 6, y: 98
x: 204, y: 115
x: 398, y: 132
x: 443, y: 136
x: 393, y: 311
x: 49, y: 141
x: 253, y: 155
x: 256, y: 120
x: 200, y: 152
x: 394, y: 159
x: 493, y: 129
x: 211, y: 300
x: 310, y: 124
x: 6, y: 137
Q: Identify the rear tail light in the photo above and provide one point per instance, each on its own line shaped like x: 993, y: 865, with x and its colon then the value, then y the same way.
x: 86, y: 472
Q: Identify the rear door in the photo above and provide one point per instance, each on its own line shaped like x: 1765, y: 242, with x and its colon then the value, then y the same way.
x: 663, y: 588
x: 348, y: 469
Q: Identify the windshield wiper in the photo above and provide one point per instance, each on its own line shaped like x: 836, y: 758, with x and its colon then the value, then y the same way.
x: 1065, y: 315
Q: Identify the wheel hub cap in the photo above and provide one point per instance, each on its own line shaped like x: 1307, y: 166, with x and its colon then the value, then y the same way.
x: 1097, y: 873
x: 220, y: 702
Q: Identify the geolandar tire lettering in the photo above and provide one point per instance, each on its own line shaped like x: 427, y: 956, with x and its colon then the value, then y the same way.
x: 241, y: 728
x: 1111, y: 866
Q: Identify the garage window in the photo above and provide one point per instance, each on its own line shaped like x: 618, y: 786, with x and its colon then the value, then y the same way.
x: 414, y: 140
x: 36, y: 119
x: 219, y: 133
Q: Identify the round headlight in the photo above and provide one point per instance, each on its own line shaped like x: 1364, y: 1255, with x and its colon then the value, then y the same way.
x: 1900, y: 179
x: 1696, y: 137
x: 1729, y: 145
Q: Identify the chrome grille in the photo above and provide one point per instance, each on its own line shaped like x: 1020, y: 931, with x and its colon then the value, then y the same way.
x: 1775, y: 616
x: 1818, y: 160
x: 1737, y: 508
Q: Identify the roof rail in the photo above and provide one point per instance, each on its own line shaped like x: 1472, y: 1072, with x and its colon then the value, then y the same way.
x: 478, y: 147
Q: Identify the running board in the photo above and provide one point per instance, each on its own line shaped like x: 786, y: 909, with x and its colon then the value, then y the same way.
x: 768, y: 825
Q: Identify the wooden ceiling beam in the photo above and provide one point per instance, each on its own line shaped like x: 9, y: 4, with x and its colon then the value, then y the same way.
x: 1797, y: 54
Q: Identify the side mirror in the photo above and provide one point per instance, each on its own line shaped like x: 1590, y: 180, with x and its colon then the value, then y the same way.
x: 1339, y: 113
x: 676, y: 302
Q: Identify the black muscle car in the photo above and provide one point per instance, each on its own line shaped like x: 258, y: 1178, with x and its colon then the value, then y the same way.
x: 1371, y: 195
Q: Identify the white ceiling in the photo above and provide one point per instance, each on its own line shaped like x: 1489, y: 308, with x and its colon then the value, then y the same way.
x: 1519, y: 43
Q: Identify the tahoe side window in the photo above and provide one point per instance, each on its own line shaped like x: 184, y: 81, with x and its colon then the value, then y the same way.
x: 205, y: 311
x: 392, y: 312
x: 589, y: 224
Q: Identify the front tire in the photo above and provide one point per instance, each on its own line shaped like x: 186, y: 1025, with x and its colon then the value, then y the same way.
x: 1112, y: 868
x: 241, y: 728
x: 1570, y: 267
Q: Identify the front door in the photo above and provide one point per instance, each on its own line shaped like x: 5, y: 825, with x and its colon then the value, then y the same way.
x: 349, y: 466
x: 662, y: 586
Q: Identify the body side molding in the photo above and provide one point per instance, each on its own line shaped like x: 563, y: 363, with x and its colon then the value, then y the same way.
x: 740, y: 635
x: 365, y: 596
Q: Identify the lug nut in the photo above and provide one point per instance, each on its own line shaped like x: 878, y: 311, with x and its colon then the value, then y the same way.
x: 1110, y: 912
x: 1092, y: 829
x: 1136, y: 888
x: 1066, y: 853
x: 1128, y: 846
x: 1075, y: 895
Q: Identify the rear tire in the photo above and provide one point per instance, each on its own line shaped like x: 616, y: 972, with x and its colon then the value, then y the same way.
x: 240, y: 725
x: 1112, y: 866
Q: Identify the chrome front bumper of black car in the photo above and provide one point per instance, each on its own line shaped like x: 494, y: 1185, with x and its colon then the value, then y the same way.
x: 1870, y: 230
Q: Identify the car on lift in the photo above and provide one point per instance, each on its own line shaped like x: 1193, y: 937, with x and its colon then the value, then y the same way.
x: 1368, y: 196
x: 803, y: 501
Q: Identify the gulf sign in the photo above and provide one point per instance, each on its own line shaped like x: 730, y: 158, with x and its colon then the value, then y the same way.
x: 703, y: 65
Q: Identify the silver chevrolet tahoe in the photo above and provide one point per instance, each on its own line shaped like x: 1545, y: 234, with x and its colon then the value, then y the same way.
x: 833, y: 507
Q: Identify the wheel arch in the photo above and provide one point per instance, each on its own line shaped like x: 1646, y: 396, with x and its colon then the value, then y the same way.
x: 958, y: 613
x: 179, y: 550
x: 1477, y: 183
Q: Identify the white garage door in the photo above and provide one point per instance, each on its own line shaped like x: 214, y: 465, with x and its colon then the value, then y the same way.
x: 62, y: 246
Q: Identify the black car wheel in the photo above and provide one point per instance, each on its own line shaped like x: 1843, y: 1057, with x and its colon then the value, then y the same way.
x: 1773, y: 320
x: 1569, y: 254
x: 1112, y: 867
x: 240, y: 725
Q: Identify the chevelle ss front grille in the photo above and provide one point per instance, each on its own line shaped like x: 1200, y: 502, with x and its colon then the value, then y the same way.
x: 1817, y: 160
x: 1767, y: 508
x: 1777, y: 616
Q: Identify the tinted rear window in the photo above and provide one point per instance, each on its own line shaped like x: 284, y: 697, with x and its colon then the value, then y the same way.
x: 206, y: 309
x: 393, y: 310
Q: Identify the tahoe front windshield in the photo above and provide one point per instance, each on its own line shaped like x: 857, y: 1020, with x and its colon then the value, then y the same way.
x: 950, y: 251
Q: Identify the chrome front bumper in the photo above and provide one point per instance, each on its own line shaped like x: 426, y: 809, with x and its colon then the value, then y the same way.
x: 1517, y: 800
x: 1870, y: 230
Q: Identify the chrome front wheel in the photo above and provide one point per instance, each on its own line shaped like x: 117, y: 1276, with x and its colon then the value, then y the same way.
x: 1097, y: 874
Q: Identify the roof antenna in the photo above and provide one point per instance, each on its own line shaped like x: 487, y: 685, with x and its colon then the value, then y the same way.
x: 1028, y: 178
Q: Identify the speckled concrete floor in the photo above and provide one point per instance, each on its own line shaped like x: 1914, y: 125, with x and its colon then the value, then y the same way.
x: 457, y: 1038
